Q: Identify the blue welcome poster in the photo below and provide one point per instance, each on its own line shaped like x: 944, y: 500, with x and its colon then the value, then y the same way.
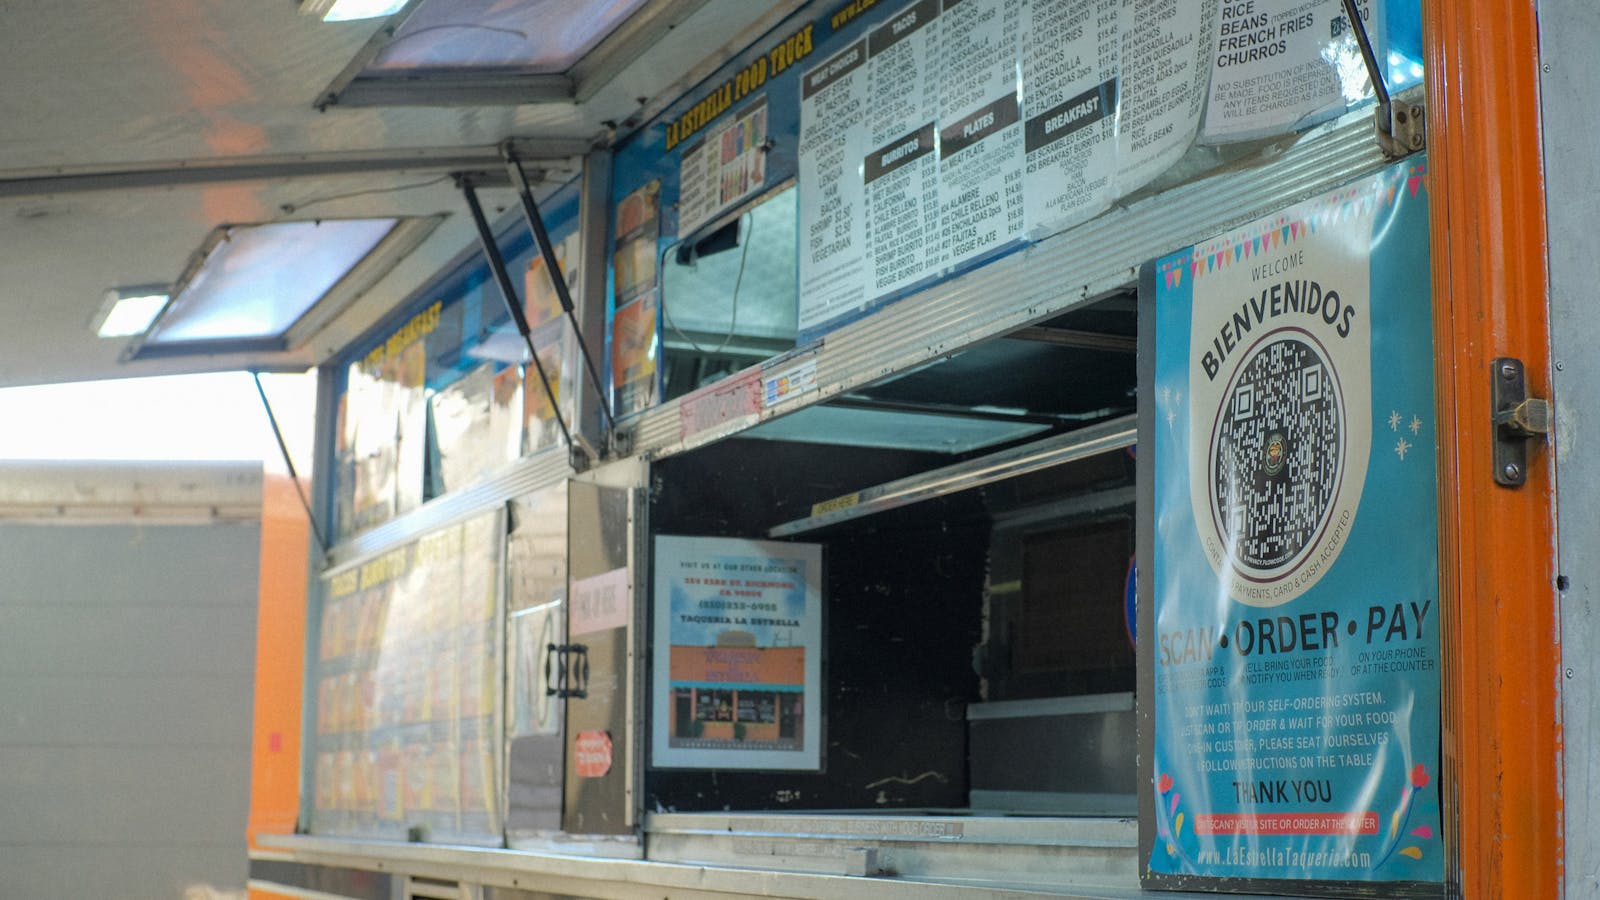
x: 1295, y: 583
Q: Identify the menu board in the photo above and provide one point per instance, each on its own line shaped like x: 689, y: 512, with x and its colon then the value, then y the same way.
x: 737, y: 676
x: 928, y: 136
x: 1285, y: 64
x: 475, y: 427
x: 978, y: 124
x: 1295, y: 583
x: 1164, y: 71
x: 901, y: 168
x: 638, y: 229
x: 726, y: 166
x: 980, y: 128
x: 833, y: 141
x: 555, y: 345
x: 407, y: 714
x: 505, y: 432
x: 633, y: 355
x: 409, y: 375
x: 369, y: 433
x: 1070, y: 54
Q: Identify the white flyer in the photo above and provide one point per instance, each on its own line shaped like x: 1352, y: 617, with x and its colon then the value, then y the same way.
x: 698, y: 192
x: 738, y: 654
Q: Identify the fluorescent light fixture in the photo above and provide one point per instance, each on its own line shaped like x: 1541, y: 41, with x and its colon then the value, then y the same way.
x: 350, y: 10
x: 129, y: 311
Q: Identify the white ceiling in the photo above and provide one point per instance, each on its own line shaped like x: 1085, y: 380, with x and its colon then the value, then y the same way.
x: 129, y: 129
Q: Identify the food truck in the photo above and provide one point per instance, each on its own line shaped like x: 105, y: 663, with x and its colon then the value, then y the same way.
x: 946, y: 448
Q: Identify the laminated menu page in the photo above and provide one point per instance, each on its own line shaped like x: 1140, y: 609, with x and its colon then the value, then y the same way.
x: 980, y: 129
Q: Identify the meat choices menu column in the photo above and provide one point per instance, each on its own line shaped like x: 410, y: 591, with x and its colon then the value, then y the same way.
x: 901, y: 171
x: 833, y: 140
x: 980, y: 136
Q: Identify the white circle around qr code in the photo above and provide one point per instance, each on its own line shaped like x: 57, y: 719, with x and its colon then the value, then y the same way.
x: 1277, y: 455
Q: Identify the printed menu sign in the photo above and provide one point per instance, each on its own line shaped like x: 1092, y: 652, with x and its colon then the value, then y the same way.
x: 980, y: 129
x: 833, y: 141
x: 407, y: 705
x: 1164, y: 73
x: 901, y: 168
x: 728, y: 165
x: 634, y: 383
x: 957, y: 128
x: 1070, y: 60
x: 1278, y: 65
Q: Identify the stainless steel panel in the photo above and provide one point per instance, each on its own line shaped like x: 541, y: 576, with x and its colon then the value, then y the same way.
x: 1079, y: 762
x: 1050, y: 706
x: 1034, y: 858
x: 599, y: 541
x: 971, y: 850
x: 523, y: 477
x: 536, y: 596
x: 1572, y: 175
x: 1051, y: 451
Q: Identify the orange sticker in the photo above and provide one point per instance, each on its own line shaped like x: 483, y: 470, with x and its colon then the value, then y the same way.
x: 592, y: 754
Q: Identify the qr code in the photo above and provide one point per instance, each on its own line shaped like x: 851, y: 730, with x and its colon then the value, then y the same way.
x: 1277, y: 454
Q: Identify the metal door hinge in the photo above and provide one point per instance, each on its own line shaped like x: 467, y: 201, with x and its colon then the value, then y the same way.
x: 1517, y: 419
x: 1401, y: 127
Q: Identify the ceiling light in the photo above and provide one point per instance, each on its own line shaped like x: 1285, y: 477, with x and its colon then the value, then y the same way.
x: 129, y: 311
x: 349, y: 10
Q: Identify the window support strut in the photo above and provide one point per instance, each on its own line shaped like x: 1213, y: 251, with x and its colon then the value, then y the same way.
x: 1399, y: 127
x: 581, y: 455
x: 558, y: 278
x: 288, y: 460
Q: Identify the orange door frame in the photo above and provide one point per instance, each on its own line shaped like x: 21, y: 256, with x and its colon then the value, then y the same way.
x: 280, y: 660
x: 1502, y: 639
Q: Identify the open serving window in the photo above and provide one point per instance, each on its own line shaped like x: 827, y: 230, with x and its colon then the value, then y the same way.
x: 974, y: 525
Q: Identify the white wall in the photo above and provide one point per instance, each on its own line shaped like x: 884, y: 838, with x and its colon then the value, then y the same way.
x: 126, y: 680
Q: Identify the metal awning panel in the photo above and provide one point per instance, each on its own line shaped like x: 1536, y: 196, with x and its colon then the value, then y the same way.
x: 945, y: 480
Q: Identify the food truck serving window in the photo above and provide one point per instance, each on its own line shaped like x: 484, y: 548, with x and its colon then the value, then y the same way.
x: 953, y: 517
